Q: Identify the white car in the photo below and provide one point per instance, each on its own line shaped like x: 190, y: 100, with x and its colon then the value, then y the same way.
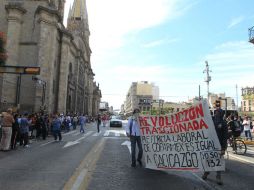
x: 115, y: 121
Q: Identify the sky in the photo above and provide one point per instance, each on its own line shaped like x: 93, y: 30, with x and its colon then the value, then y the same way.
x: 167, y: 42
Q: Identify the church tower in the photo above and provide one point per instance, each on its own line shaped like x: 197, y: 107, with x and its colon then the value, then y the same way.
x: 77, y: 22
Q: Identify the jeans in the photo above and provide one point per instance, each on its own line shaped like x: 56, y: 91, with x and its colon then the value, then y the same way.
x: 57, y: 133
x: 136, y: 140
x: 98, y: 126
x: 248, y: 134
x: 23, y: 139
x: 82, y: 128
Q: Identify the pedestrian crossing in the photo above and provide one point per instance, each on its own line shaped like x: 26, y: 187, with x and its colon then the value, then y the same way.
x: 106, y: 133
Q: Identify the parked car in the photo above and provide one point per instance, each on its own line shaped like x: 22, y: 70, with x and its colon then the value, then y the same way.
x: 115, y: 121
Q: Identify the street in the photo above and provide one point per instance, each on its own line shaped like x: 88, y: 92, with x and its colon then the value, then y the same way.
x: 97, y: 161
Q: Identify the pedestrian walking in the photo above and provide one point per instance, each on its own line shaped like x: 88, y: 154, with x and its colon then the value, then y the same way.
x: 56, y: 128
x: 7, y: 121
x: 133, y: 131
x: 24, y: 130
x: 222, y: 133
x: 98, y: 122
x: 82, y: 121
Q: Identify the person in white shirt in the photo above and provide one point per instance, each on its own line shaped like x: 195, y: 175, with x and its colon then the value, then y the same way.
x: 246, y: 125
x: 133, y: 131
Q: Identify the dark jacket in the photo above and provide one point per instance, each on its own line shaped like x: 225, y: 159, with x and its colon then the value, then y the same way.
x: 221, y: 128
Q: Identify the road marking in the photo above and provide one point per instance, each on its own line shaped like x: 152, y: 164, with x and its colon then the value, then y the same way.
x: 241, y: 159
x: 76, y: 134
x: 106, y: 133
x: 79, y: 180
x: 250, y: 151
x: 96, y: 134
x: 68, y: 133
x: 128, y: 144
x: 71, y: 143
x: 47, y: 143
x: 117, y: 134
x: 83, y: 174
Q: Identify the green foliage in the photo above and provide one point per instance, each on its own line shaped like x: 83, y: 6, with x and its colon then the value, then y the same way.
x: 248, y: 96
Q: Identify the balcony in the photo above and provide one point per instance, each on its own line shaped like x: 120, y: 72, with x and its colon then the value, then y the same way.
x: 251, y: 34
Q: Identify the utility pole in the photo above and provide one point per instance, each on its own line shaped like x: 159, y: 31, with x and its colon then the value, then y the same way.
x: 208, y: 78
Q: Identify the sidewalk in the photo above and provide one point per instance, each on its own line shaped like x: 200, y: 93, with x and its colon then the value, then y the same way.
x: 113, y: 172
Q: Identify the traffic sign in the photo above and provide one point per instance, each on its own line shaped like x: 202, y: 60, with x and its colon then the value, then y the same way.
x: 20, y: 70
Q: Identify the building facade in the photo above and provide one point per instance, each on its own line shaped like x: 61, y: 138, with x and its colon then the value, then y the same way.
x: 247, y: 103
x: 140, y: 95
x: 36, y: 36
x: 226, y: 102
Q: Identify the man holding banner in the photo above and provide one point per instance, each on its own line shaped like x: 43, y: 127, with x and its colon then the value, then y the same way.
x: 222, y: 133
x: 189, y: 140
x: 133, y: 131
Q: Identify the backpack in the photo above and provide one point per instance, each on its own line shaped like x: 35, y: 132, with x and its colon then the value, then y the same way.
x: 236, y: 129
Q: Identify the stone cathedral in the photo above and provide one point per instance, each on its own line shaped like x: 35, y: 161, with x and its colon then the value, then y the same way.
x: 36, y: 36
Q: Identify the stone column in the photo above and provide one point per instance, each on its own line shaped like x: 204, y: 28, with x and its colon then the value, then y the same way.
x: 63, y: 78
x: 90, y: 95
x: 47, y: 55
x: 14, y: 17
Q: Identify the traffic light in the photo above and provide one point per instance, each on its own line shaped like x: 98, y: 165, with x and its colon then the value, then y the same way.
x: 217, y: 104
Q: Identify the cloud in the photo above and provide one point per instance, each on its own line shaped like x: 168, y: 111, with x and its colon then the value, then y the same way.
x: 159, y: 42
x: 231, y: 63
x: 117, y: 18
x: 235, y: 21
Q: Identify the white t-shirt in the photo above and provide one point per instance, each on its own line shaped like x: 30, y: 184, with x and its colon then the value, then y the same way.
x: 246, y: 124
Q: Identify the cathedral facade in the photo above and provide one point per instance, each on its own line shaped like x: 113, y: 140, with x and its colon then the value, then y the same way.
x: 37, y: 37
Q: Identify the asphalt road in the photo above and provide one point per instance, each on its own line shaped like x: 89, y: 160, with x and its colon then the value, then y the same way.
x: 101, y: 161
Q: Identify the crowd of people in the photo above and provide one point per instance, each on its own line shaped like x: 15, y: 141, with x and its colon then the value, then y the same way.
x: 21, y: 128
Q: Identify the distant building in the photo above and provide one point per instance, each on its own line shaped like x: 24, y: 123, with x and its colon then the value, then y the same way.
x: 140, y: 95
x: 104, y: 106
x: 224, y: 100
x: 122, y: 109
x: 247, y: 103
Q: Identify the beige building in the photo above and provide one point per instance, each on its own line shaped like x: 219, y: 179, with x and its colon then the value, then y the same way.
x: 228, y: 102
x: 36, y: 36
x: 247, y: 104
x: 140, y: 95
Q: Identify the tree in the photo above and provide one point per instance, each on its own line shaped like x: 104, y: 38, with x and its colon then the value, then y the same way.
x: 3, y: 55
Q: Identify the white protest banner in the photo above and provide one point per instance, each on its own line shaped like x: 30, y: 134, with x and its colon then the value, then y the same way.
x: 186, y: 140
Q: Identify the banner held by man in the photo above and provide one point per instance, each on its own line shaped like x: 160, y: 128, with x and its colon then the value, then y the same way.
x: 185, y: 140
